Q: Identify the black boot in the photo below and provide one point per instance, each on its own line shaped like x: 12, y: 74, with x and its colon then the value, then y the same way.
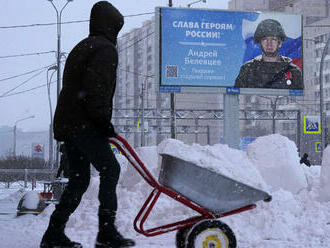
x: 112, y: 239
x: 56, y: 238
x: 108, y: 236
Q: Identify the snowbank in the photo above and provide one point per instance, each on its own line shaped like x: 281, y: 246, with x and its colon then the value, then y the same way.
x: 290, y: 220
x: 277, y: 160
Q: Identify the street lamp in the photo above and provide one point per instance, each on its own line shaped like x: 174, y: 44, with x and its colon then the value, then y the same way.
x: 51, y: 145
x: 14, y: 142
x: 189, y: 4
x: 59, y: 16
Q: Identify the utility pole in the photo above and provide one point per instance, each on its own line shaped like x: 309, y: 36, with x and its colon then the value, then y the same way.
x: 172, y: 96
x: 51, y: 144
x: 143, y: 138
x: 273, y: 105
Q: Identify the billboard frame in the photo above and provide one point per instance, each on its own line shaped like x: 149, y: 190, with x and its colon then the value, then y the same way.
x: 211, y: 89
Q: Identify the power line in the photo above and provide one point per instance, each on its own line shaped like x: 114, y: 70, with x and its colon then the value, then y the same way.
x: 25, y: 73
x: 24, y: 91
x: 5, y: 94
x: 40, y: 53
x: 137, y: 73
x: 68, y: 22
x: 25, y: 54
x: 136, y: 42
x: 35, y: 75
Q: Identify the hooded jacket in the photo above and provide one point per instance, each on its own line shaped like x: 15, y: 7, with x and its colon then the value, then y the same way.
x: 89, y: 78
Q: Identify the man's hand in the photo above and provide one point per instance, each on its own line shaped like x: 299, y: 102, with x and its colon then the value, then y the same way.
x: 111, y: 131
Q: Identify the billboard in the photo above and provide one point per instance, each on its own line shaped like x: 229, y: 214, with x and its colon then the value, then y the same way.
x: 216, y: 48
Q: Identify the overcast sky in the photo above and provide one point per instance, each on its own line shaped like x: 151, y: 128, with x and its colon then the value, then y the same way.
x: 18, y: 99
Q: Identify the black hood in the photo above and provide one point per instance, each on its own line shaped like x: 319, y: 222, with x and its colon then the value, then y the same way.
x: 105, y: 20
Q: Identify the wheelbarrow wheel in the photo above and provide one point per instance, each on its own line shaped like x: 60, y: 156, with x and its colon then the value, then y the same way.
x: 181, y: 236
x: 211, y: 234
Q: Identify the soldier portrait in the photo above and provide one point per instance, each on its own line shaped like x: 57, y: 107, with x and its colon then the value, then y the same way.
x: 270, y: 69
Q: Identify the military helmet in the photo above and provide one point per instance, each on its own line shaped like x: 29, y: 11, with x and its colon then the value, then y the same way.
x: 269, y: 27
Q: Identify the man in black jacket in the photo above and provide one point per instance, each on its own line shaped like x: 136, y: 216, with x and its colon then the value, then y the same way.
x: 83, y: 121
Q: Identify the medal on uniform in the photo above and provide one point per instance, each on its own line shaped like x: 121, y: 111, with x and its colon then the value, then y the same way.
x: 288, y: 77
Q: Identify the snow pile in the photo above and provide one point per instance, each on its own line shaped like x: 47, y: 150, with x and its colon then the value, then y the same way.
x: 291, y: 220
x: 277, y: 160
x: 325, y: 176
x: 218, y: 158
x: 31, y: 200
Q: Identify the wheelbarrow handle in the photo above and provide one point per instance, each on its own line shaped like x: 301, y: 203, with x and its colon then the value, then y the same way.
x: 134, y: 159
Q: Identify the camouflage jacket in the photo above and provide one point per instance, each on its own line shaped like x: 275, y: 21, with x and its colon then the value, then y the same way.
x: 257, y: 73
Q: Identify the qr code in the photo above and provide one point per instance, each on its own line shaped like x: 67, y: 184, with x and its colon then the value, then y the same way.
x: 172, y: 71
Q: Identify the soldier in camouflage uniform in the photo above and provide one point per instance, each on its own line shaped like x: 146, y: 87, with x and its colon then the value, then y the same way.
x: 270, y: 70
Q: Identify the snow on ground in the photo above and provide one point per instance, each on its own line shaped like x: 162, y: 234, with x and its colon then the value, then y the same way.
x: 295, y: 218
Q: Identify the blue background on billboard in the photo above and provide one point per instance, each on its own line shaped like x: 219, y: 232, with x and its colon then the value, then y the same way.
x: 175, y: 47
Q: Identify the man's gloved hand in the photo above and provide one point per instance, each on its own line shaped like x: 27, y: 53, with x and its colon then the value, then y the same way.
x: 111, y: 131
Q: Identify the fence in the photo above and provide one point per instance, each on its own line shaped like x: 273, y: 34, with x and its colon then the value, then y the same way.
x: 26, y: 175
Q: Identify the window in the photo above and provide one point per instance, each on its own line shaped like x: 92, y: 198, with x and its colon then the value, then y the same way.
x: 286, y: 126
x: 327, y: 78
x: 327, y: 106
x: 317, y: 94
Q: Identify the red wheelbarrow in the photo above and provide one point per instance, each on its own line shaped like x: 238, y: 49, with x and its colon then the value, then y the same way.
x: 210, y: 194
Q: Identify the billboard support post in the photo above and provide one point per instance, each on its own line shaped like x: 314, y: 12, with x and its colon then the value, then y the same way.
x: 231, y: 120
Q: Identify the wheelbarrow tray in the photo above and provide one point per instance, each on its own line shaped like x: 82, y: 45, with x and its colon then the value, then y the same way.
x: 208, y: 189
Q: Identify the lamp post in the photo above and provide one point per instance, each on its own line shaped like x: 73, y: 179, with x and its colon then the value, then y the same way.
x: 189, y: 5
x: 14, y: 142
x: 58, y: 57
x: 51, y: 145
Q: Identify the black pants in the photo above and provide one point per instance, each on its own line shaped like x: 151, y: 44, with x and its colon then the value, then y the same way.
x: 83, y: 150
